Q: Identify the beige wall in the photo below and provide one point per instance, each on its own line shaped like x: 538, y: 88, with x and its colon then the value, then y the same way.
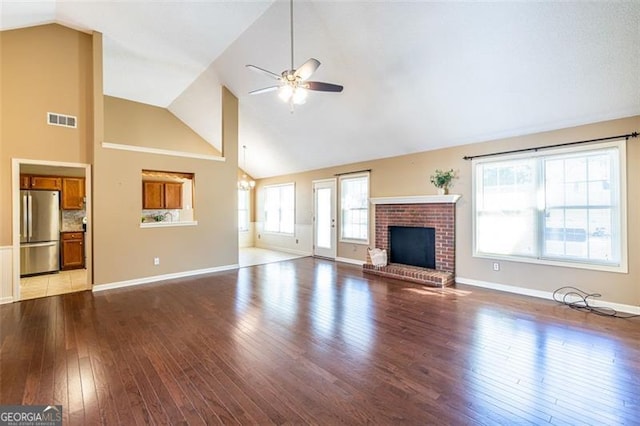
x: 52, y: 68
x: 133, y: 123
x: 43, y: 69
x: 409, y: 175
x: 123, y: 251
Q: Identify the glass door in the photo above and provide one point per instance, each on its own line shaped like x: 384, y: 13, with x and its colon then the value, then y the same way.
x: 324, y: 218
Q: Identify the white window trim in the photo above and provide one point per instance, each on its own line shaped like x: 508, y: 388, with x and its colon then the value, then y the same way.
x: 351, y: 240
x: 622, y: 152
x: 264, y: 195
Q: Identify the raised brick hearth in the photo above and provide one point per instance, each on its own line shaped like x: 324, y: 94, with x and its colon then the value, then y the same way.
x: 423, y: 211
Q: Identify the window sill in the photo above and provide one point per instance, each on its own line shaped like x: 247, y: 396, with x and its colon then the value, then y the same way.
x: 167, y: 224
x: 360, y: 242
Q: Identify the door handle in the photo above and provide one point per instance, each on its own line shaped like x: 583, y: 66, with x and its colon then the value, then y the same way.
x: 24, y: 216
x: 51, y: 244
x: 30, y: 221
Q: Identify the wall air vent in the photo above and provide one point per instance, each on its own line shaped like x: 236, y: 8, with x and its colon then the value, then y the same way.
x: 55, y: 119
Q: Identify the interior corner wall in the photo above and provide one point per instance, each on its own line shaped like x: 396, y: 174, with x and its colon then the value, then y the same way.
x: 409, y: 175
x: 43, y: 69
x: 123, y: 251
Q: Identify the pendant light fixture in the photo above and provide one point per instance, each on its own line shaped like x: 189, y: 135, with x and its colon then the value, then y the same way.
x: 245, y: 183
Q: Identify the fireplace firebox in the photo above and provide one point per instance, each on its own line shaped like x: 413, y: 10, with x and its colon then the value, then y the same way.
x: 415, y: 246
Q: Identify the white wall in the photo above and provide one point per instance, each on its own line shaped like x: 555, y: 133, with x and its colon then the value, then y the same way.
x: 301, y: 242
x: 6, y: 274
x: 246, y: 238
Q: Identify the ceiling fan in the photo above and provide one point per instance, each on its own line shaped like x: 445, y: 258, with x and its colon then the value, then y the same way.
x: 293, y: 85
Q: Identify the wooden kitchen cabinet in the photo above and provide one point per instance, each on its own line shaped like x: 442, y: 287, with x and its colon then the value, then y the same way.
x: 72, y: 250
x: 172, y: 195
x: 161, y: 195
x: 152, y: 195
x: 53, y: 183
x: 25, y: 182
x: 73, y: 193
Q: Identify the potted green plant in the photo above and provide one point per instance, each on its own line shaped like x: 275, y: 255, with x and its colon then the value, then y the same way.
x: 442, y: 180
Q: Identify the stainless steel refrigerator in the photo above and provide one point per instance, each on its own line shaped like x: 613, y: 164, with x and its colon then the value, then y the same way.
x: 39, y: 232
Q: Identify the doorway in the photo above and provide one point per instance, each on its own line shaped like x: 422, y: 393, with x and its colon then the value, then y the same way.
x: 73, y: 227
x: 324, y: 218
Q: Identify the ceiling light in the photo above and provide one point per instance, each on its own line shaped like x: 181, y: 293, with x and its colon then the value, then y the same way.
x: 245, y: 184
x: 285, y: 92
x: 299, y: 95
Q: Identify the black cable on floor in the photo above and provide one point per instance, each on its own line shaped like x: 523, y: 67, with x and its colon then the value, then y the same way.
x: 581, y: 302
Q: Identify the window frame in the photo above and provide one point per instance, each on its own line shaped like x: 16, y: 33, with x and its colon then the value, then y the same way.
x: 621, y: 267
x: 353, y: 176
x: 266, y: 189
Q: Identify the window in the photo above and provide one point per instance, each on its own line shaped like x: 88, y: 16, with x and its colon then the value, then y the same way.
x: 243, y: 210
x: 562, y: 206
x: 354, y: 205
x: 279, y: 208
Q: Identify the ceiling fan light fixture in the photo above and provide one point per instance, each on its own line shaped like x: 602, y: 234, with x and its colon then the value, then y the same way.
x: 285, y: 92
x: 292, y: 93
x: 299, y: 95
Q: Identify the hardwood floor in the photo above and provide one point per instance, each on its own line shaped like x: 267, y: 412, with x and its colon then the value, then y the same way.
x: 311, y: 341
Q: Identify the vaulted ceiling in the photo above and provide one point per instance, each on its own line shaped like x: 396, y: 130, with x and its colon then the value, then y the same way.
x: 417, y: 75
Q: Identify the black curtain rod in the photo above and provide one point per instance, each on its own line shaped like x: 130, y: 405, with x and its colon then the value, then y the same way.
x: 627, y: 136
x: 352, y: 173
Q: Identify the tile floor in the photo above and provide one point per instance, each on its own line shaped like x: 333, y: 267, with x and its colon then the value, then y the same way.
x: 52, y: 284
x: 249, y: 256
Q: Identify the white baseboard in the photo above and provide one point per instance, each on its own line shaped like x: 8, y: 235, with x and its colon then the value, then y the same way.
x: 156, y: 278
x: 544, y: 294
x: 6, y: 300
x: 351, y: 261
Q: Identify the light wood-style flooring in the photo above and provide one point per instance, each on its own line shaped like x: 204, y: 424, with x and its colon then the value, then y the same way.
x: 310, y: 341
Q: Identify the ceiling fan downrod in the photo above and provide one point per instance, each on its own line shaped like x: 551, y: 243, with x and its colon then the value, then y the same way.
x: 291, y: 26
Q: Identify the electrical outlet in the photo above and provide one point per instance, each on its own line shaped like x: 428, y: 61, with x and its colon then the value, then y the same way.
x: 496, y: 266
x: 156, y: 261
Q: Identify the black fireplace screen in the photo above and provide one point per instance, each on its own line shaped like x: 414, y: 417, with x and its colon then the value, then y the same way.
x: 413, y: 246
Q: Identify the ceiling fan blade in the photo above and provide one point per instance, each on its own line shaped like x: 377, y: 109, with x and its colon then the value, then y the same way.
x: 265, y: 90
x: 265, y: 72
x: 305, y: 70
x: 322, y: 87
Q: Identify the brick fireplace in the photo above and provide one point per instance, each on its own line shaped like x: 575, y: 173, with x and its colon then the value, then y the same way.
x: 438, y: 212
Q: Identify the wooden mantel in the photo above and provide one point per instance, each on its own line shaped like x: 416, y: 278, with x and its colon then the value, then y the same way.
x: 417, y: 199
